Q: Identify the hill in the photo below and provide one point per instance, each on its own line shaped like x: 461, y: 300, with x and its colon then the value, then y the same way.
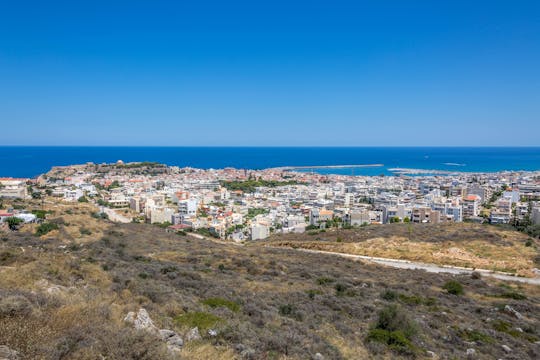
x: 67, y: 294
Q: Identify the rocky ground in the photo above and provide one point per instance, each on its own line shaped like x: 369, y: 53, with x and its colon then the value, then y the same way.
x: 133, y: 291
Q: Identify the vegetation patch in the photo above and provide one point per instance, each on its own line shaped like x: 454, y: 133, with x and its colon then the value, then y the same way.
x: 343, y: 290
x: 251, y: 185
x: 389, y: 295
x: 85, y: 231
x: 290, y: 311
x: 505, y: 327
x: 417, y: 300
x: 324, y: 280
x: 395, y: 329
x: 46, y: 228
x: 512, y: 295
x: 453, y: 287
x: 474, y: 335
x: 252, y: 212
x: 14, y: 222
x: 202, y: 320
x: 312, y: 292
x: 220, y: 302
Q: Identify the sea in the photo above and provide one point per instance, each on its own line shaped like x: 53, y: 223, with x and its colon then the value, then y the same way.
x: 31, y: 161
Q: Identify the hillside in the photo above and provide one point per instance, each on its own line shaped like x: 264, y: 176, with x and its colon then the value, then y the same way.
x: 66, y: 295
x: 457, y: 244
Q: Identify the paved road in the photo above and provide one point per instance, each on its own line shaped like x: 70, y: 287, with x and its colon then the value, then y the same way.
x: 406, y: 264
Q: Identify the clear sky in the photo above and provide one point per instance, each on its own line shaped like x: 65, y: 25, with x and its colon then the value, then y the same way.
x: 326, y: 73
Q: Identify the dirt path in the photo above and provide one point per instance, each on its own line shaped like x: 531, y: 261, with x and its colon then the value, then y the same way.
x: 114, y: 216
x: 406, y: 264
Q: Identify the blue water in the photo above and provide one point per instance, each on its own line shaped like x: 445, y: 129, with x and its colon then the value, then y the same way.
x: 23, y: 161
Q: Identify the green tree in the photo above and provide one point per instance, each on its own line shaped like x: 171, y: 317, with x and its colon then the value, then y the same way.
x: 14, y: 222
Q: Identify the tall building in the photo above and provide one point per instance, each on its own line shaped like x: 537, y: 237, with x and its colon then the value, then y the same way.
x: 471, y: 205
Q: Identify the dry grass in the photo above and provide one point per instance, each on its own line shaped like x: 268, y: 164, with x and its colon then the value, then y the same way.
x: 207, y: 351
x: 286, y: 308
x: 467, y: 245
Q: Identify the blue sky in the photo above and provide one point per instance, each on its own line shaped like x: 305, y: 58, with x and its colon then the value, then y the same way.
x: 270, y: 73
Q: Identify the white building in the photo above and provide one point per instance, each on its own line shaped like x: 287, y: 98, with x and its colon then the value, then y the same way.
x: 161, y: 214
x: 535, y: 215
x: 13, y: 188
x: 259, y: 231
x: 72, y: 194
x: 188, y: 207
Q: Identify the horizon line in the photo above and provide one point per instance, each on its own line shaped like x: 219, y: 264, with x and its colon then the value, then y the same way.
x: 282, y: 146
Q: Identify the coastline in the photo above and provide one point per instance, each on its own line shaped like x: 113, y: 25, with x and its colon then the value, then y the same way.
x: 29, y: 162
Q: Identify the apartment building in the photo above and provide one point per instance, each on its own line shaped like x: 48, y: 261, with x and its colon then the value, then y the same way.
x: 471, y: 206
x: 425, y: 215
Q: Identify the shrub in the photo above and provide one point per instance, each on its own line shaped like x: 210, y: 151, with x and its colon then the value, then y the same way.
x: 286, y: 310
x: 100, y: 215
x: 45, y: 228
x: 14, y: 222
x: 453, y: 287
x: 389, y: 295
x: 85, y: 231
x: 393, y: 318
x: 342, y: 289
x: 168, y: 269
x: 220, y: 302
x: 40, y: 214
x: 395, y: 329
x: 290, y: 311
x: 411, y: 299
x: 311, y: 293
x: 324, y: 281
x: 395, y: 340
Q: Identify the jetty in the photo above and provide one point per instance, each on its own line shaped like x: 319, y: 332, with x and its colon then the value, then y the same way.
x: 304, y: 167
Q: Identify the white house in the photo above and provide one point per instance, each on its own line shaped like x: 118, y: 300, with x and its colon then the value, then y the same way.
x: 72, y: 194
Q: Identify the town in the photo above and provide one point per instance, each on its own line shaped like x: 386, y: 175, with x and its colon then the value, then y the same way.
x: 238, y: 205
